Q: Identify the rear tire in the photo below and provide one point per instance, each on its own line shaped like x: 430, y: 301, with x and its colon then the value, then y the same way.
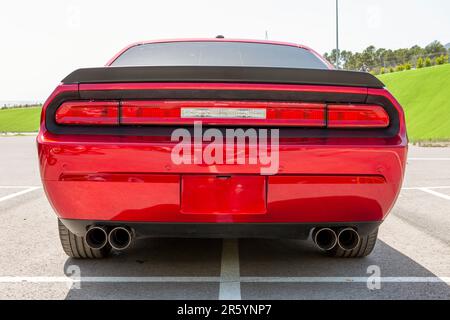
x: 75, y: 246
x: 363, y: 249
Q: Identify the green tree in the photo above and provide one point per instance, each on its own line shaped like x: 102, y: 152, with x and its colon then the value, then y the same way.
x: 442, y: 59
x: 401, y: 56
x: 383, y: 70
x: 369, y: 58
x: 420, y: 63
x: 354, y: 62
x: 331, y: 59
x: 389, y: 58
x: 416, y: 51
x: 380, y: 57
x: 407, y: 66
x: 400, y: 67
x: 428, y: 62
x: 345, y: 56
x: 435, y: 47
x: 391, y: 69
x: 375, y: 58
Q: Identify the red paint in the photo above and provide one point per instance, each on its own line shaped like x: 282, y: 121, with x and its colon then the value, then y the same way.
x: 120, y: 178
x: 157, y: 198
x: 227, y: 195
x: 154, y: 196
x: 132, y: 178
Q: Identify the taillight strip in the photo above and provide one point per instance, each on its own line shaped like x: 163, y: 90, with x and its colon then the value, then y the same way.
x: 88, y: 113
x: 223, y: 112
x: 357, y: 116
x: 170, y: 112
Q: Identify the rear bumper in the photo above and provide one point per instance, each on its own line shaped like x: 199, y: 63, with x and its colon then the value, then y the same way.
x: 128, y: 179
x: 299, y: 231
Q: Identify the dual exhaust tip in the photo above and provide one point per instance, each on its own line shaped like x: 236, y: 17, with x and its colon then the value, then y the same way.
x: 119, y: 238
x: 327, y: 238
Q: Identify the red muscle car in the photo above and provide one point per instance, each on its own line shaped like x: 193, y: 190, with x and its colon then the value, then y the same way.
x: 221, y: 138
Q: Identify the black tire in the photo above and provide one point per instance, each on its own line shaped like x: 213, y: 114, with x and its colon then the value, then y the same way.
x: 75, y: 246
x: 363, y: 249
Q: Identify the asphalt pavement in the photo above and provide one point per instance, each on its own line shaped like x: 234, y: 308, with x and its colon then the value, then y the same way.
x: 411, y: 259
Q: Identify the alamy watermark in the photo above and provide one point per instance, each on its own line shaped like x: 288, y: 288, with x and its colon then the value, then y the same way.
x: 73, y: 272
x: 374, y: 280
x: 246, y: 146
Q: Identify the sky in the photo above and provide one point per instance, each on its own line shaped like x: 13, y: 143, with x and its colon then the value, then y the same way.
x: 43, y: 41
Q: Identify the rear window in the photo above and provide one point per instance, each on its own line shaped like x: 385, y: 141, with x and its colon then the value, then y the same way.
x: 219, y: 54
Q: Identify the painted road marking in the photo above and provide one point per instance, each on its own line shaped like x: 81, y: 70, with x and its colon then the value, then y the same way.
x: 345, y: 279
x: 435, y: 193
x: 431, y: 190
x: 418, y: 188
x: 18, y: 187
x: 19, y: 193
x: 230, y: 286
x: 429, y: 159
x: 18, y: 279
x: 63, y: 279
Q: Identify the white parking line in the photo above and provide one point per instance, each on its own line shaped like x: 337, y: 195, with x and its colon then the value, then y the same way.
x: 19, y: 193
x: 429, y: 159
x: 435, y: 193
x: 430, y: 190
x: 18, y: 187
x: 345, y: 279
x: 18, y: 279
x: 230, y: 286
x: 418, y: 188
x: 13, y: 279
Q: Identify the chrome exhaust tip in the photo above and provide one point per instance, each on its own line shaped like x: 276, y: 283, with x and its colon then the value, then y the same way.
x: 96, y: 237
x: 348, y: 239
x: 120, y: 238
x: 325, y: 238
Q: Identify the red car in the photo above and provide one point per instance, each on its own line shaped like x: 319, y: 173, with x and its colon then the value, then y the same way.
x: 221, y: 138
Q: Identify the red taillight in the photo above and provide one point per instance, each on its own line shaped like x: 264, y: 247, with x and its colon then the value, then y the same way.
x: 223, y: 112
x: 88, y: 113
x: 158, y: 112
x: 149, y: 112
x: 302, y: 114
x: 357, y: 116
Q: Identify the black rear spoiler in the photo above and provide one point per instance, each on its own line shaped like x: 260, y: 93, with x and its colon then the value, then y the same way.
x: 224, y: 74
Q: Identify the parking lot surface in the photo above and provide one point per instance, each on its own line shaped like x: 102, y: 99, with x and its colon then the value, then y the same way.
x: 411, y: 259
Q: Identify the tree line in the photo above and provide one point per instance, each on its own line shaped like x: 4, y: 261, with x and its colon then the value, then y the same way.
x: 386, y: 60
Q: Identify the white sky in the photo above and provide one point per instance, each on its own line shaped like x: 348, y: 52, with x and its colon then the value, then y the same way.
x: 42, y: 41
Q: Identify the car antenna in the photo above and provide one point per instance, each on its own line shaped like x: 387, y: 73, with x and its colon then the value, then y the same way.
x: 220, y: 37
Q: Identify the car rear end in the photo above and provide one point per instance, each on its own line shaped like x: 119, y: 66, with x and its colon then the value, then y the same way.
x: 334, y: 144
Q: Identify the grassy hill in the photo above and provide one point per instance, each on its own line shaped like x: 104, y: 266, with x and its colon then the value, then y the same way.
x: 425, y: 96
x: 20, y: 119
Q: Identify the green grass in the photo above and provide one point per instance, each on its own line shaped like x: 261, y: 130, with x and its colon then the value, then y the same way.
x: 20, y: 119
x: 425, y: 96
